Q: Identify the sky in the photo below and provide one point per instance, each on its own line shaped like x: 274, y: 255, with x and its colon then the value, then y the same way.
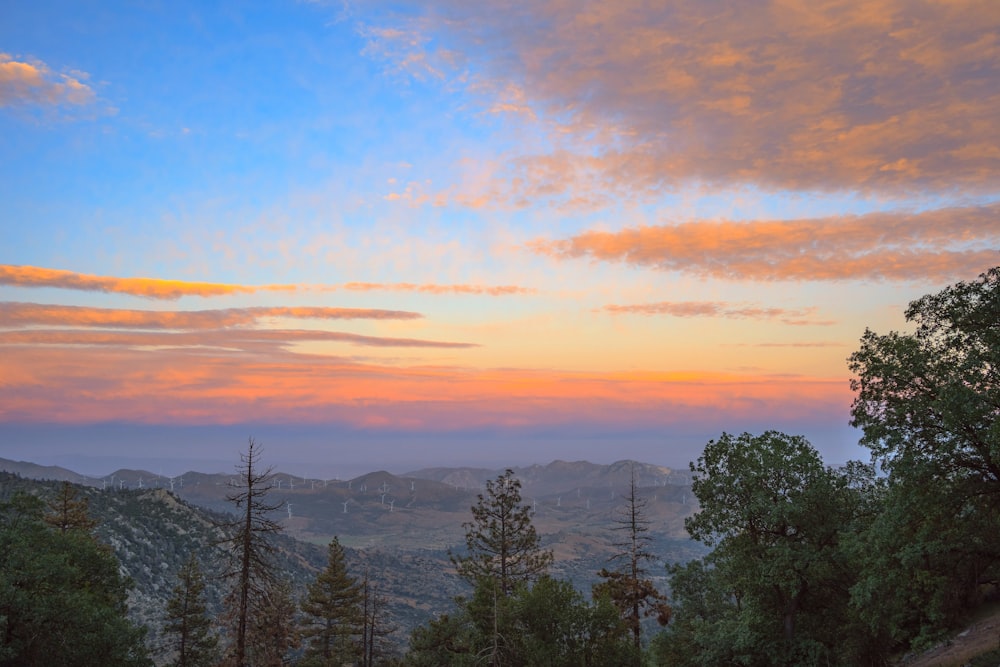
x: 401, y: 234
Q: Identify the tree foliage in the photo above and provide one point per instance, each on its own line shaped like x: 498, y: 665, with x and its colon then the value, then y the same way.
x: 273, y: 631
x: 932, y: 397
x: 62, y: 599
x: 332, y: 620
x: 501, y: 542
x: 69, y: 510
x: 546, y: 623
x: 927, y: 403
x: 188, y: 623
x: 775, y: 590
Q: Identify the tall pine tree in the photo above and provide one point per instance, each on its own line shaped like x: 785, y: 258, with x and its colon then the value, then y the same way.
x: 501, y: 543
x: 333, y: 621
x: 188, y: 623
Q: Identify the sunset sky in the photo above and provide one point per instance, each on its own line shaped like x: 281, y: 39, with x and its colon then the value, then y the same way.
x: 397, y: 234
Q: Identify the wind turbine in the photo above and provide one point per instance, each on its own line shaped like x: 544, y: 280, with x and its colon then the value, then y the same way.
x: 289, y: 505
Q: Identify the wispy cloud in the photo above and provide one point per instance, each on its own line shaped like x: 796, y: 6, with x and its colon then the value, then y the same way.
x: 152, y: 288
x: 718, y: 309
x: 156, y: 288
x: 241, y: 339
x: 940, y: 244
x: 32, y: 82
x: 430, y: 288
x: 13, y: 313
x: 881, y: 96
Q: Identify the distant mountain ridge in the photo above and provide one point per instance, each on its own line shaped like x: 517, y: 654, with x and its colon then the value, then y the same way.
x: 36, y: 471
x: 536, y: 480
x: 560, y: 476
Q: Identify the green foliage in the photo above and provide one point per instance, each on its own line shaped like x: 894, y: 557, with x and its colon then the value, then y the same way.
x: 62, y: 601
x: 931, y: 397
x: 927, y: 403
x: 449, y: 639
x: 501, y: 542
x: 332, y: 621
x: 545, y: 624
x: 775, y: 591
x: 556, y: 626
x: 187, y: 620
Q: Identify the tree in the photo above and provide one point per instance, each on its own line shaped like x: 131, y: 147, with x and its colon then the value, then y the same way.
x: 188, y: 622
x: 775, y: 516
x: 375, y: 626
x: 928, y: 405
x: 274, y: 633
x: 62, y: 599
x: 545, y: 623
x: 555, y: 627
x: 250, y: 549
x: 933, y: 397
x: 501, y: 543
x: 333, y: 619
x: 627, y: 586
x: 68, y: 511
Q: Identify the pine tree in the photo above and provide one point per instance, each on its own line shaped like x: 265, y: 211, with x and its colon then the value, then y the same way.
x: 375, y: 624
x: 274, y: 632
x: 62, y: 596
x: 250, y: 549
x: 333, y: 616
x: 501, y: 543
x: 68, y: 511
x: 188, y: 621
x: 627, y: 586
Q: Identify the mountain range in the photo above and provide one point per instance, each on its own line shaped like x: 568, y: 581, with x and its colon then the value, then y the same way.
x: 398, y: 527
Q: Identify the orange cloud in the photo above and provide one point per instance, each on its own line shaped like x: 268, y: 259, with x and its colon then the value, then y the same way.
x: 717, y: 309
x: 155, y: 288
x: 74, y: 384
x: 23, y: 82
x: 260, y: 340
x: 885, y: 95
x: 152, y: 288
x: 27, y: 314
x: 490, y: 290
x: 940, y: 244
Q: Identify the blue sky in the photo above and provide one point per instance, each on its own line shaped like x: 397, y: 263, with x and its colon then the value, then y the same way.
x: 466, y: 224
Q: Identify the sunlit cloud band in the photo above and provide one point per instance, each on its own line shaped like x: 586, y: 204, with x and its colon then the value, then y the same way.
x: 938, y: 244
